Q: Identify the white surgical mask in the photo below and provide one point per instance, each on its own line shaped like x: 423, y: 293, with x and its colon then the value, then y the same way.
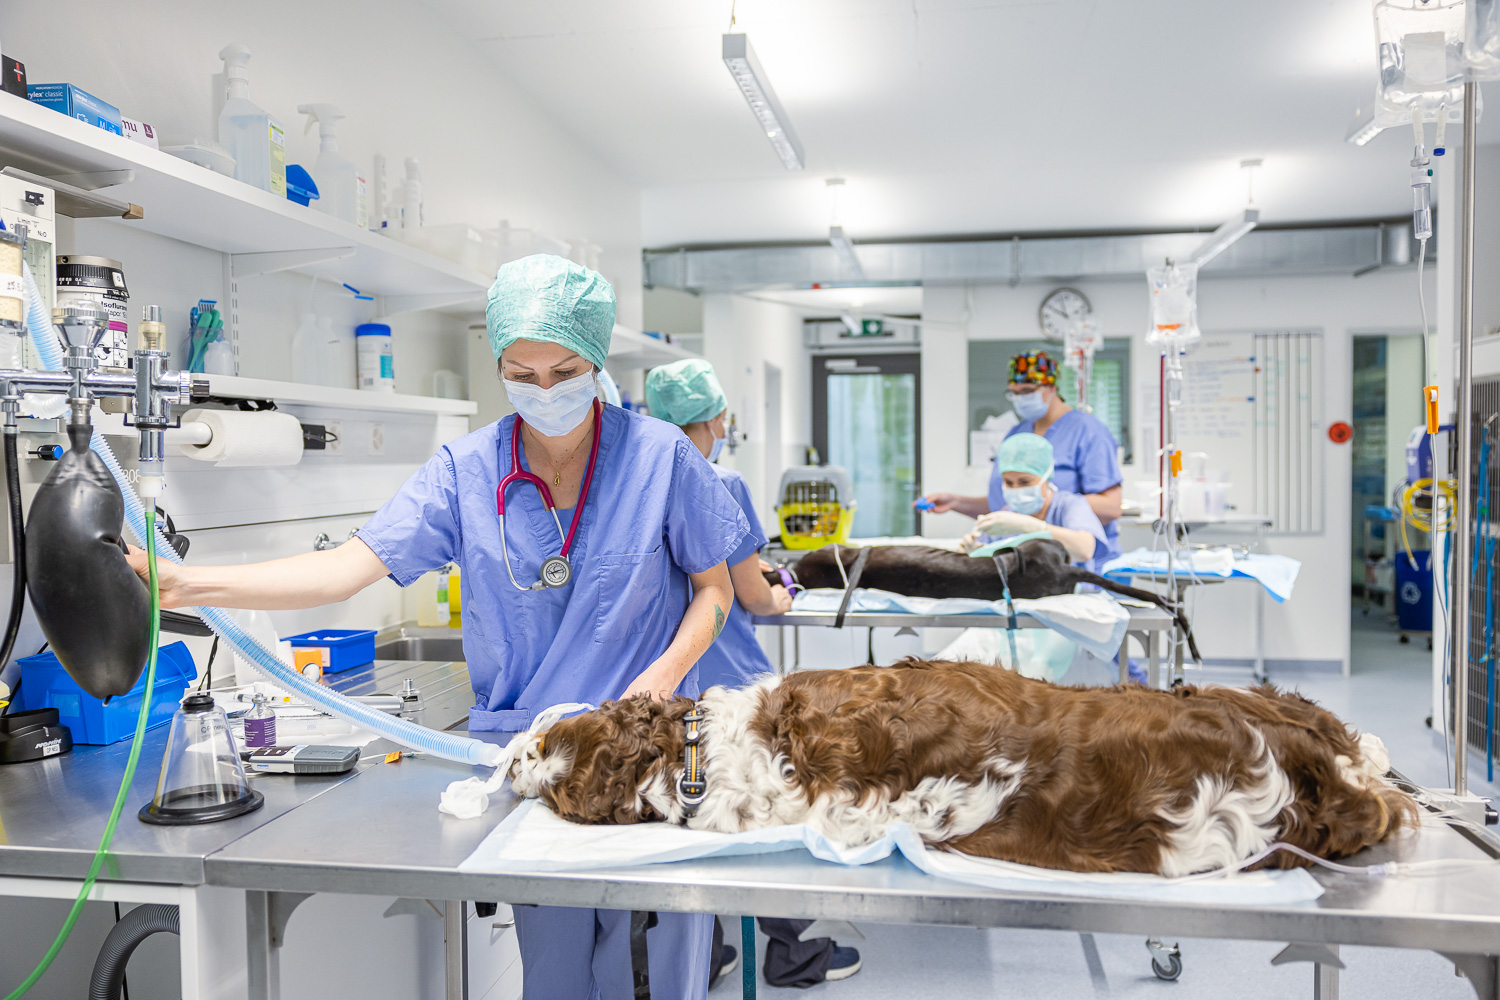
x: 1028, y: 406
x: 1024, y: 499
x: 556, y: 411
x: 716, y: 448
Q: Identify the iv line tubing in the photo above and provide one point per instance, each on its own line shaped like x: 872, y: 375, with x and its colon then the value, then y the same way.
x: 17, y: 546
x: 135, y: 756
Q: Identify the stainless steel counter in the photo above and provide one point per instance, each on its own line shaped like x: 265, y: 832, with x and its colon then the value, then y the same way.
x: 1141, y: 620
x: 53, y: 812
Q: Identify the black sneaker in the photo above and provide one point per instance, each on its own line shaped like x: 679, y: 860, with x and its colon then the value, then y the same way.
x: 845, y: 963
x: 731, y: 961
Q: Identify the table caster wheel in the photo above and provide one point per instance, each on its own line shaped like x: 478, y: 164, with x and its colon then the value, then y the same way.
x: 1171, y: 972
x: 1404, y: 639
x: 1166, y: 960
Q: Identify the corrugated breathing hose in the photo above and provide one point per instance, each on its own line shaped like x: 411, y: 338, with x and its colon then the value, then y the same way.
x: 121, y: 942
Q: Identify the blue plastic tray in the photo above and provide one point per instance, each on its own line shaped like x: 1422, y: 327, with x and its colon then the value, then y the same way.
x: 45, y: 684
x: 347, y: 648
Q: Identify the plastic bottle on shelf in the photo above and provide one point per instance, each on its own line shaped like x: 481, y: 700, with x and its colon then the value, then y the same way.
x: 341, y: 186
x: 254, y: 138
x: 308, y: 358
x: 411, y: 196
x: 340, y: 354
x: 376, y: 368
x: 218, y: 358
x: 378, y: 217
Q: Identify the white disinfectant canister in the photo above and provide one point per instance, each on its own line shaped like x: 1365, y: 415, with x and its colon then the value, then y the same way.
x: 373, y: 349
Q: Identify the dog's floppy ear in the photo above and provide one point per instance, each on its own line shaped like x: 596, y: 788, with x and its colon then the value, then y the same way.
x: 614, y: 750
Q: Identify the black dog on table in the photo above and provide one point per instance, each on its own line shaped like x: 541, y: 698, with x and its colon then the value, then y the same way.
x: 1038, y: 567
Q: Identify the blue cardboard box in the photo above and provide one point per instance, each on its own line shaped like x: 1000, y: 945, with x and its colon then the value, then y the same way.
x: 76, y: 103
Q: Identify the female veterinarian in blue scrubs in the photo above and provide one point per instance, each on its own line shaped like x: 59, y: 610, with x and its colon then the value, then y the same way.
x: 688, y: 394
x: 1030, y: 501
x: 640, y: 517
x: 1088, y: 462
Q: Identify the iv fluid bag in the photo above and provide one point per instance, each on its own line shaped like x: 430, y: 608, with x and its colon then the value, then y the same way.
x: 1421, y: 60
x: 1482, y: 38
x: 1174, y: 304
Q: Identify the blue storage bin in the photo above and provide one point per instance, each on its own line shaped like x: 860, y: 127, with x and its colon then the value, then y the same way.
x: 45, y: 684
x: 344, y: 648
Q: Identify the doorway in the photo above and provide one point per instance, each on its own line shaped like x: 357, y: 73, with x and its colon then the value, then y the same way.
x: 775, y: 456
x: 1386, y: 406
x: 867, y: 419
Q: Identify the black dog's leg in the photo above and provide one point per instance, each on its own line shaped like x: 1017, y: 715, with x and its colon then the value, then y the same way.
x: 1082, y: 575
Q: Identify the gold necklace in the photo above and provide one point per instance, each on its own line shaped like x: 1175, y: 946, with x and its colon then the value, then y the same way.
x: 557, y: 473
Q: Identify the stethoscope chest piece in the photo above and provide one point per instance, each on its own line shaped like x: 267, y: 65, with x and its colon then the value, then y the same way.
x: 556, y: 571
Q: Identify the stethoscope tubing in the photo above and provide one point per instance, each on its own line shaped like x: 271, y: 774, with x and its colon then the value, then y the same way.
x: 519, y: 475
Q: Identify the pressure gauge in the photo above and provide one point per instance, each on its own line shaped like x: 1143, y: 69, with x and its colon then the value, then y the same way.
x: 1063, y: 311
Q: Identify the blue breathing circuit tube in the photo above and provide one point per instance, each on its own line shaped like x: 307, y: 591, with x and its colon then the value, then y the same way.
x: 455, y: 748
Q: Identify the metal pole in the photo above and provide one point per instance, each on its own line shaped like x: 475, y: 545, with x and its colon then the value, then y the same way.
x: 1459, y: 613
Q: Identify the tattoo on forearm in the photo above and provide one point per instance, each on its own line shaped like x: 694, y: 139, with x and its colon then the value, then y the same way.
x: 718, y: 620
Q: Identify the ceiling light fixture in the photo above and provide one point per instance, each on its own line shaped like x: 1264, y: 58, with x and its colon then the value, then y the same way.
x: 844, y: 247
x: 1362, y: 128
x: 1225, y: 236
x: 751, y: 79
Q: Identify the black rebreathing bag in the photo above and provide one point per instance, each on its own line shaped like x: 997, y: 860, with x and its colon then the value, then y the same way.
x: 93, y: 609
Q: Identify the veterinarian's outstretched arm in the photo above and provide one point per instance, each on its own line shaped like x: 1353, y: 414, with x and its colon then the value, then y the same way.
x: 1106, y: 503
x: 752, y: 590
x: 972, y: 506
x: 701, y: 624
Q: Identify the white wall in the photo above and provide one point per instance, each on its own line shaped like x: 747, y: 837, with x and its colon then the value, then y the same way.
x: 487, y: 153
x: 742, y: 336
x: 1379, y: 302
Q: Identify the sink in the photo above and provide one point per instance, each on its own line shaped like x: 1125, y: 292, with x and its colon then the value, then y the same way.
x: 408, y: 642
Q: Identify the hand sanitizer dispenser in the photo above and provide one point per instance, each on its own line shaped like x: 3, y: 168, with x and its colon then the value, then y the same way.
x: 255, y: 139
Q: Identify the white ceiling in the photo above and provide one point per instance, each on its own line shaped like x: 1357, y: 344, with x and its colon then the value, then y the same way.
x: 961, y: 116
x: 904, y: 300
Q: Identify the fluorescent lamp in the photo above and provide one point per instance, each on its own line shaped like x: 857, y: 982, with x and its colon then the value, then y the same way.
x: 1223, y: 237
x: 1362, y: 129
x: 751, y: 79
x: 845, y: 249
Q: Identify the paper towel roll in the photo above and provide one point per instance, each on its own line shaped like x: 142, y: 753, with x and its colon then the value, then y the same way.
x: 242, y: 438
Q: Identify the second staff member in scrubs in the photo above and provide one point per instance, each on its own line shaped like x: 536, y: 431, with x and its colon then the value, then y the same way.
x: 687, y: 393
x: 648, y: 520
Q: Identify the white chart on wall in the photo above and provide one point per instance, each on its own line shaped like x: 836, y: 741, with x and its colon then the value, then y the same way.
x: 1251, y: 403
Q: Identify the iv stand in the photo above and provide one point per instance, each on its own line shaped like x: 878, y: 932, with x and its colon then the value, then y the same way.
x: 1462, y: 508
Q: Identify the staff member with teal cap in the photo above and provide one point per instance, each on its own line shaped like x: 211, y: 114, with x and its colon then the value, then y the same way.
x: 687, y: 393
x: 593, y: 543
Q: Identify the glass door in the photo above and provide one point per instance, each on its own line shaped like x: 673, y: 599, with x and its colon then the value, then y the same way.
x: 867, y: 419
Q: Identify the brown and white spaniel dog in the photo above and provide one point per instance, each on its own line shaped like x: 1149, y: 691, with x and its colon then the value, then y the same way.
x: 984, y: 761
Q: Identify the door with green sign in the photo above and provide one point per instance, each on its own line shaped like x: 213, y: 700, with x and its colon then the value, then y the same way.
x: 867, y: 419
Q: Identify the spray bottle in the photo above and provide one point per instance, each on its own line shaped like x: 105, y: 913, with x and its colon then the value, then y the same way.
x: 255, y: 139
x: 411, y: 196
x: 342, y: 187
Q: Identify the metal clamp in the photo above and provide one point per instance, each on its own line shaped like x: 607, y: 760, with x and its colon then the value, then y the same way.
x: 322, y: 543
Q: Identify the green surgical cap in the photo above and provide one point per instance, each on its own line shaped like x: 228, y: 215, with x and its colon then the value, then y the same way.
x: 1025, y: 453
x: 685, y: 392
x: 551, y: 299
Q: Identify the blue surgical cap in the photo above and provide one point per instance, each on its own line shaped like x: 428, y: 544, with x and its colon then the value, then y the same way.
x: 1025, y: 453
x: 551, y: 299
x: 685, y: 392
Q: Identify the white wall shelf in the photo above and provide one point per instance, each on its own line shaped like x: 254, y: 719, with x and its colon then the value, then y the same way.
x: 190, y: 203
x: 237, y: 387
x: 632, y: 349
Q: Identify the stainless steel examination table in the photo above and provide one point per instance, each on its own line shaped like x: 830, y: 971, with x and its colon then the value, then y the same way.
x: 1146, y: 624
x: 378, y: 832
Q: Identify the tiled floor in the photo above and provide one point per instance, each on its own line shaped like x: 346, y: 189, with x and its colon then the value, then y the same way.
x: 1389, y: 694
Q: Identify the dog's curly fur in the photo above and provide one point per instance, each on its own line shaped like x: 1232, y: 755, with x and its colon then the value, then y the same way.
x: 987, y: 762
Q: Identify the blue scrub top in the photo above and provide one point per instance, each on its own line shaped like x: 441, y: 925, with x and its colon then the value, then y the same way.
x: 655, y: 513
x: 1085, y: 460
x: 1069, y: 510
x: 736, y: 658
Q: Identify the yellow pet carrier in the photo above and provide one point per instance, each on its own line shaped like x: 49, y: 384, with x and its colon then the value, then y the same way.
x: 816, y: 506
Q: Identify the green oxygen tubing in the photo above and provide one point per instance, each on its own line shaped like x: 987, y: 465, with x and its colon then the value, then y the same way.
x: 460, y: 749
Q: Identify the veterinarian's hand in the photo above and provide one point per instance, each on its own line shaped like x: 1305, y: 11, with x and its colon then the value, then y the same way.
x: 783, y: 599
x: 765, y: 567
x: 941, y: 502
x: 655, y: 681
x: 969, y: 542
x: 1004, y: 523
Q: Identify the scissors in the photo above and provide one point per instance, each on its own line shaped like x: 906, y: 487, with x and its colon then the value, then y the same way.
x: 556, y: 570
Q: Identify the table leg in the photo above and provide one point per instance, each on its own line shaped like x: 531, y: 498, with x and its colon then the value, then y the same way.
x: 1326, y: 979
x: 1124, y: 657
x: 1153, y: 660
x: 796, y: 647
x: 455, y: 950
x: 1482, y: 971
x: 747, y: 958
x: 266, y: 914
x: 1260, y: 632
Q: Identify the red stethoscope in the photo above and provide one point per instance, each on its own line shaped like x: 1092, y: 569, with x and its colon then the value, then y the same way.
x: 556, y: 570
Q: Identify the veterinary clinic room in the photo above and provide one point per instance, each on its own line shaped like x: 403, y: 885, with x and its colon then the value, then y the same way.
x: 717, y: 499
